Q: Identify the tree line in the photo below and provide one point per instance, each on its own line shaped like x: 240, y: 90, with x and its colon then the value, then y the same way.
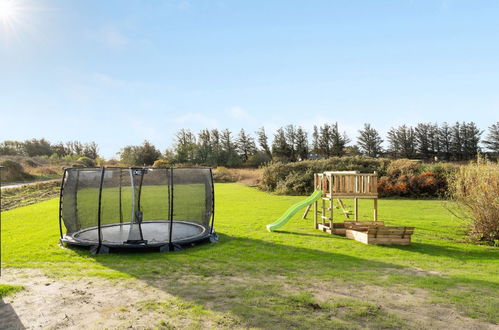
x: 451, y: 142
x: 456, y: 142
x: 42, y: 147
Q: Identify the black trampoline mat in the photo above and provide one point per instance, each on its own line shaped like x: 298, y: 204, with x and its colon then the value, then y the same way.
x: 154, y: 232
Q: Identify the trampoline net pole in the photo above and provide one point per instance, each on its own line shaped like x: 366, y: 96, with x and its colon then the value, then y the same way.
x: 99, y: 231
x: 212, y: 202
x: 171, y: 208
x: 135, y: 234
x: 120, y: 196
x: 61, y: 194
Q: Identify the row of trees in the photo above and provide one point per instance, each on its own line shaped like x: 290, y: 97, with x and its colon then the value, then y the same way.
x: 460, y: 141
x: 42, y: 147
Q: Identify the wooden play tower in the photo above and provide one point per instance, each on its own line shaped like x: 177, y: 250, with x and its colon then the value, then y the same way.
x: 339, y: 185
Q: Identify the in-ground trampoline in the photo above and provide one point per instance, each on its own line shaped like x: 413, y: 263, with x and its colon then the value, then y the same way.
x: 112, y: 208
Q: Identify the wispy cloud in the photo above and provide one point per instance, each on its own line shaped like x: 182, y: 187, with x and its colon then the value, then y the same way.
x: 112, y: 38
x: 108, y: 81
x: 238, y: 113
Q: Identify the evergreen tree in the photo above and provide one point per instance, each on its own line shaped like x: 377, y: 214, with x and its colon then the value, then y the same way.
x: 424, y: 140
x: 263, y: 141
x: 315, y: 140
x: 456, y: 145
x: 338, y: 141
x: 402, y: 141
x: 471, y: 135
x: 185, y: 146
x: 301, y: 143
x: 325, y: 141
x: 245, y: 146
x: 492, y: 141
x: 91, y: 150
x: 229, y: 154
x: 143, y: 155
x: 280, y: 147
x: 216, y: 148
x: 369, y: 141
x: 290, y: 132
x: 204, y: 148
x: 444, y: 137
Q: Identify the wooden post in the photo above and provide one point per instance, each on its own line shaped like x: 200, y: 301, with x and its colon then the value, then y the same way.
x: 375, y: 209
x: 331, y: 214
x: 356, y: 209
x: 323, y: 212
x: 315, y: 214
x: 306, y: 211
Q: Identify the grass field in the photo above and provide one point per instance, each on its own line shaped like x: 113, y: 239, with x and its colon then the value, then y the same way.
x: 294, y: 277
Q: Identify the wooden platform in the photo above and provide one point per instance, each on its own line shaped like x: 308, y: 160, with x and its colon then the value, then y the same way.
x: 381, y: 235
x: 339, y: 228
x: 370, y: 232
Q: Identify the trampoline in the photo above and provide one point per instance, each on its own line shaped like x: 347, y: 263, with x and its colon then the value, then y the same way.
x: 114, y: 208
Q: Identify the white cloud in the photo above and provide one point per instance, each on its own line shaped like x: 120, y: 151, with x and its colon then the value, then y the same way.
x: 108, y: 81
x: 238, y: 113
x: 113, y: 38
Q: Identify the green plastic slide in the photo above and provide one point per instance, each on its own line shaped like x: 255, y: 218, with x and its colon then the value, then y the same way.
x: 293, y: 209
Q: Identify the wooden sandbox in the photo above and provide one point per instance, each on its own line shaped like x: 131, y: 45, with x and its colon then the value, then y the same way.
x: 378, y: 233
x: 338, y: 185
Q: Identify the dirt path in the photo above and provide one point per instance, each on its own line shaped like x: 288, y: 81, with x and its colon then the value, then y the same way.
x: 96, y: 303
x: 83, y: 304
x: 22, y: 184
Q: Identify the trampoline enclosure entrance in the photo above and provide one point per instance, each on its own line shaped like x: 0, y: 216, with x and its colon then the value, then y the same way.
x: 136, y: 207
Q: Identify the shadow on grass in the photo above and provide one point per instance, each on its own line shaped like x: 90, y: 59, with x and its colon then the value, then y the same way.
x: 256, y: 280
x: 458, y: 253
x: 285, y: 232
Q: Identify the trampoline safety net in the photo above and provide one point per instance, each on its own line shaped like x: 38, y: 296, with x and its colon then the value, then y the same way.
x: 136, y: 207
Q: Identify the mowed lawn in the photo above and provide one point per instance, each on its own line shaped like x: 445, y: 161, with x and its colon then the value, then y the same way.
x: 296, y: 277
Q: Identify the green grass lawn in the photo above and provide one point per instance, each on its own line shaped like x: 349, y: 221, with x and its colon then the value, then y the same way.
x: 261, y: 279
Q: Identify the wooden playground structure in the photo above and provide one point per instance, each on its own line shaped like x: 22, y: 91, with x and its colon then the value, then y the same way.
x: 340, y: 185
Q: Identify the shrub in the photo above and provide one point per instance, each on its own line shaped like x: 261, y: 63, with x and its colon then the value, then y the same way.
x: 403, y: 177
x: 400, y: 167
x: 301, y: 181
x: 161, y: 163
x: 475, y: 188
x: 222, y: 174
x: 31, y: 163
x: 258, y: 159
x: 112, y: 162
x: 13, y: 171
x: 296, y: 182
x: 86, y: 162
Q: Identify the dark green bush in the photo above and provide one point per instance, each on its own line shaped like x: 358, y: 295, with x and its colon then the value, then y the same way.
x: 297, y: 178
x: 161, y: 163
x: 13, y: 171
x: 401, y: 177
x: 86, y: 162
x: 403, y: 167
x: 222, y: 175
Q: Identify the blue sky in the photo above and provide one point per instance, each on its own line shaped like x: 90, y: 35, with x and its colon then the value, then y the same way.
x: 119, y: 72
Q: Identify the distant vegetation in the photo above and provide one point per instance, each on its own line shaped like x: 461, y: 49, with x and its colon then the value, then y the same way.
x: 400, y: 177
x: 475, y: 187
x: 425, y: 141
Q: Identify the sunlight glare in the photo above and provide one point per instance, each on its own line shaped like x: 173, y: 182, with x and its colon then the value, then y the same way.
x: 7, y: 10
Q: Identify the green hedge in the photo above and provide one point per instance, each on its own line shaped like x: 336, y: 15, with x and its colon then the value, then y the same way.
x: 297, y: 178
x: 401, y: 177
